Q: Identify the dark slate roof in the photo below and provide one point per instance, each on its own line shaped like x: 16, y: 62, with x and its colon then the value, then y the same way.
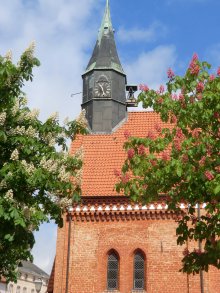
x: 105, y: 54
x: 30, y: 268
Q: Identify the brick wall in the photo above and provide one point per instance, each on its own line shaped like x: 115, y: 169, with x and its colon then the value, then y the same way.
x: 91, y: 242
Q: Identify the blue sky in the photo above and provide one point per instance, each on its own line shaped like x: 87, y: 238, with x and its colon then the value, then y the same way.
x: 151, y: 36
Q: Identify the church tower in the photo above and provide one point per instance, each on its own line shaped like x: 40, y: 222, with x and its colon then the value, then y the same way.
x: 104, y: 82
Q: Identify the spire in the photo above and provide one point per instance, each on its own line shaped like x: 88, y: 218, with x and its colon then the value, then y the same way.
x: 105, y: 54
x: 106, y: 25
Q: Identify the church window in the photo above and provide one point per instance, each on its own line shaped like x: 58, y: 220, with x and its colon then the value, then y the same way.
x: 139, y: 270
x: 112, y: 273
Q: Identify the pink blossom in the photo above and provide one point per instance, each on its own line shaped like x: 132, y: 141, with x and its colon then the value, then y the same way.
x: 217, y: 169
x: 162, y: 89
x: 170, y: 73
x: 127, y: 134
x: 209, y: 175
x: 144, y: 87
x: 125, y: 178
x: 198, y: 251
x: 192, y: 99
x: 179, y: 133
x: 199, y: 97
x: 141, y: 150
x: 153, y: 162
x: 160, y: 101
x: 195, y: 57
x: 211, y: 77
x: 151, y: 134
x: 202, y: 161
x: 165, y: 156
x: 185, y: 158
x: 195, y: 133
x: 181, y: 97
x: 173, y: 119
x: 117, y: 173
x: 131, y: 153
x: 218, y: 71
x: 194, y: 66
x: 216, y: 115
x: 157, y: 127
x: 174, y: 97
x: 177, y: 144
x: 185, y: 252
x: 200, y: 87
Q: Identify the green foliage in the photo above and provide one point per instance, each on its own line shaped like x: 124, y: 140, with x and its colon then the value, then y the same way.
x: 181, y: 163
x: 35, y: 168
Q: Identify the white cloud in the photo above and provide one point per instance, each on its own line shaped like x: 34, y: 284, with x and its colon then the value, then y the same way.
x: 62, y: 34
x: 147, y: 34
x: 151, y: 67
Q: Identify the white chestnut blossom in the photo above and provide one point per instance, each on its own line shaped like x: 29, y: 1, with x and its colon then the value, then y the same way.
x: 9, y: 195
x: 2, y: 118
x: 8, y: 55
x: 49, y: 165
x: 29, y: 167
x: 81, y: 119
x: 63, y: 175
x: 31, y: 132
x: 14, y: 155
x: 15, y: 108
x: 54, y: 116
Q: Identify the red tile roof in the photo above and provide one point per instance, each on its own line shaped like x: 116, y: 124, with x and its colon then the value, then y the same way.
x: 103, y: 153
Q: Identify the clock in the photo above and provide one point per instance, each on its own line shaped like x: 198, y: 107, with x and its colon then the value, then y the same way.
x: 102, y: 88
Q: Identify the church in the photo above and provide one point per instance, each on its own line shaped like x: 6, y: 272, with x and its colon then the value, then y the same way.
x: 108, y: 243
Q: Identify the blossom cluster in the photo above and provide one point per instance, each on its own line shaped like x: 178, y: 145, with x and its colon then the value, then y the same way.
x: 14, y: 155
x: 49, y: 165
x: 29, y: 167
x: 2, y: 118
x: 9, y: 195
x: 194, y: 65
x: 81, y: 119
x: 20, y: 130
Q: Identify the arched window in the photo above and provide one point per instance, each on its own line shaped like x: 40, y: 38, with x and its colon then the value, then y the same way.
x: 24, y: 290
x: 139, y: 270
x: 18, y: 290
x: 112, y: 271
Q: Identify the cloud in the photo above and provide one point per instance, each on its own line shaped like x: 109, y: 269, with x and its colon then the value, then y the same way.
x: 151, y: 67
x: 62, y: 34
x: 147, y: 34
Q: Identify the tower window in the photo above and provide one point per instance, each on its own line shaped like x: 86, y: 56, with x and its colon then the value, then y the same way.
x: 112, y: 273
x: 139, y: 265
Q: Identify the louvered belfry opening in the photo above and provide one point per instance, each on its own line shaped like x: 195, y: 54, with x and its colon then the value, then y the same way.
x: 139, y: 270
x: 112, y: 274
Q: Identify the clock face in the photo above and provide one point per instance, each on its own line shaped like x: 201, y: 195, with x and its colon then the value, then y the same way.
x: 102, y: 89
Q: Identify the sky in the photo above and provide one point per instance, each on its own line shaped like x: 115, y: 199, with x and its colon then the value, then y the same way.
x: 151, y: 36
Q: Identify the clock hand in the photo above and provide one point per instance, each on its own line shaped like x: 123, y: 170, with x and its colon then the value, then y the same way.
x: 102, y: 89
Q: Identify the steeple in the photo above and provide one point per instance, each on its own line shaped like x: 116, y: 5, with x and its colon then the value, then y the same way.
x: 104, y: 82
x: 105, y: 53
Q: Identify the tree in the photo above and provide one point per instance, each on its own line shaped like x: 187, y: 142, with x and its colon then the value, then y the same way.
x: 35, y: 168
x: 181, y: 163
